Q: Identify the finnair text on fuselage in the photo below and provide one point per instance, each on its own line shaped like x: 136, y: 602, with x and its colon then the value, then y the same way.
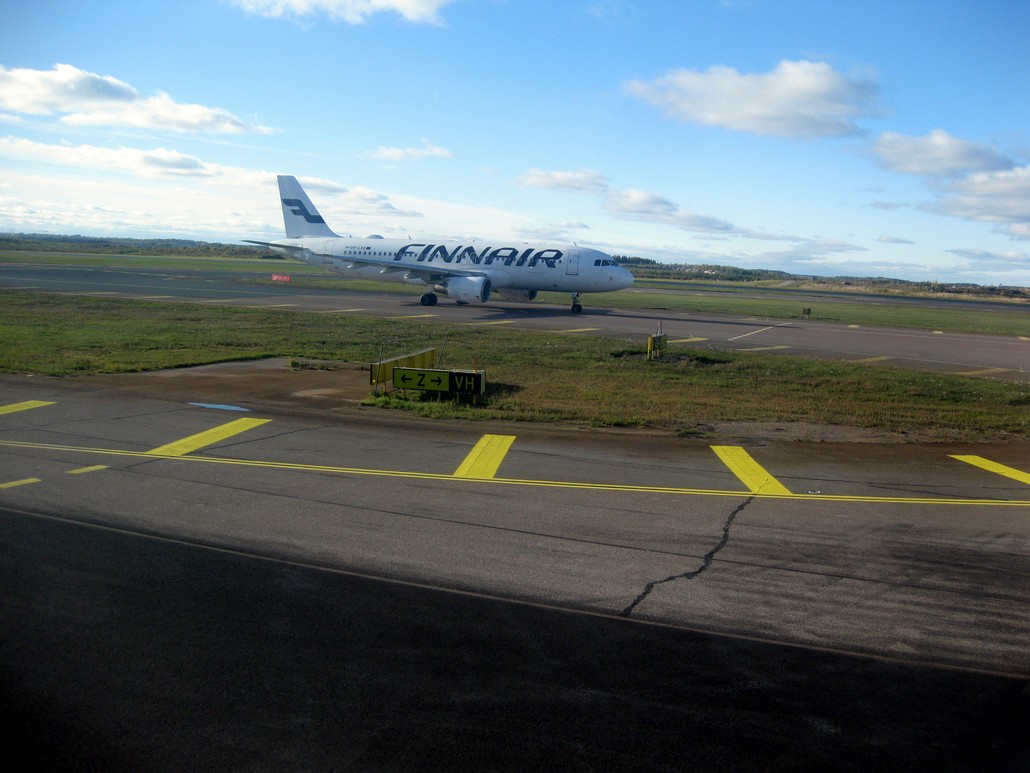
x: 509, y: 256
x: 464, y: 273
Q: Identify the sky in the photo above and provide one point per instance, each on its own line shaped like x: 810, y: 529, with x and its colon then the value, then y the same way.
x: 810, y: 136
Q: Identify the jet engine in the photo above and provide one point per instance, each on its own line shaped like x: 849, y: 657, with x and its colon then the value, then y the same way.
x: 469, y: 289
x: 518, y: 295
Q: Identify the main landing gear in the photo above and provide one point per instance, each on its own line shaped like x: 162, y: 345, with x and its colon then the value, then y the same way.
x: 576, y: 307
x: 428, y: 299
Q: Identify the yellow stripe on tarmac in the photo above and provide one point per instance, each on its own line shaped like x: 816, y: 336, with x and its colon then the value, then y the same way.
x: 94, y: 468
x: 751, y: 473
x: 22, y: 482
x: 687, y: 340
x: 1000, y: 469
x: 206, y: 438
x: 553, y: 484
x: 484, y: 460
x: 25, y: 406
x: 578, y: 330
x: 984, y: 372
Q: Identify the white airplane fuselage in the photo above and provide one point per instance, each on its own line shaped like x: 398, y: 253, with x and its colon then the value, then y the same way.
x: 466, y: 272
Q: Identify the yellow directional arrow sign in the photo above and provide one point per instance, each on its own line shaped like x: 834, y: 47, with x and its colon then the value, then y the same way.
x: 465, y: 382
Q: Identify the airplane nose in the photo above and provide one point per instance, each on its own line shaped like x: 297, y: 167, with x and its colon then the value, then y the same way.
x: 624, y: 279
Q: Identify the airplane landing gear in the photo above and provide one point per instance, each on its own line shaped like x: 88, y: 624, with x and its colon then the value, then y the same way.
x: 428, y: 299
x: 576, y: 307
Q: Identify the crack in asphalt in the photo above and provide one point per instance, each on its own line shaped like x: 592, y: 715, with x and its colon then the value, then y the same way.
x: 706, y: 560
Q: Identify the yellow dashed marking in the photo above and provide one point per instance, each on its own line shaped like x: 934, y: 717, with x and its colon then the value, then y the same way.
x: 339, y: 311
x: 557, y: 484
x: 16, y: 483
x: 82, y: 470
x: 687, y: 340
x: 193, y: 442
x: 984, y: 372
x: 750, y: 472
x: 495, y: 322
x: 486, y: 457
x: 868, y: 360
x: 578, y: 330
x: 1000, y: 469
x: 24, y: 406
x: 764, y: 348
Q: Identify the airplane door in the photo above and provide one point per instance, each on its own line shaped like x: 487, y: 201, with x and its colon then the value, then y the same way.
x: 572, y: 263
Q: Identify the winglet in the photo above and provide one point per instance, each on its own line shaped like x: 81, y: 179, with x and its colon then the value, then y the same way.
x: 299, y: 214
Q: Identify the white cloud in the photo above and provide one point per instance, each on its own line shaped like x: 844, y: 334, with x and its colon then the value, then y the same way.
x: 797, y: 99
x: 584, y: 180
x: 428, y: 150
x: 937, y: 154
x: 996, y: 259
x: 349, y: 11
x: 157, y: 162
x: 86, y: 99
x: 993, y: 197
x: 894, y: 240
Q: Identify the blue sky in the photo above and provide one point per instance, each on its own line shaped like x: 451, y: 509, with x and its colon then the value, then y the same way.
x: 824, y: 138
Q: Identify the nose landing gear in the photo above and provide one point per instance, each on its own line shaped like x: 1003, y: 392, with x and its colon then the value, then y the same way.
x: 576, y: 306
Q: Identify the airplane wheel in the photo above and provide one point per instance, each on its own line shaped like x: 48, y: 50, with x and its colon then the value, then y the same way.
x: 428, y: 299
x: 576, y: 308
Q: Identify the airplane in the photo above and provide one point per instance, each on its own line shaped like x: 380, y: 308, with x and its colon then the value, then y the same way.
x: 466, y: 272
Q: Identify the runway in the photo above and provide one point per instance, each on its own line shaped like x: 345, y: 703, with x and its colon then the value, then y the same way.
x: 816, y: 564
x: 197, y: 577
x: 1000, y: 357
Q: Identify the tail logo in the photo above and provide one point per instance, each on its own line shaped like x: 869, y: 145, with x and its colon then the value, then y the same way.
x: 297, y: 207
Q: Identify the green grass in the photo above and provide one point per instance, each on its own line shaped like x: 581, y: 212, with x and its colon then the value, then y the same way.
x: 741, y: 299
x: 530, y: 376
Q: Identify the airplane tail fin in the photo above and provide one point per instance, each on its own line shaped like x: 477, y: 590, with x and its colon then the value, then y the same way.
x: 299, y: 214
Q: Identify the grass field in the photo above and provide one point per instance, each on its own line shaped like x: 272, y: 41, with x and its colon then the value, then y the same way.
x: 532, y: 376
x: 741, y: 298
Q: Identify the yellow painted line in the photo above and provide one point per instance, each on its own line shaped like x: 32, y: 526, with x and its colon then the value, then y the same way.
x: 495, y: 322
x: 1023, y: 338
x: 938, y: 332
x: 27, y: 405
x: 339, y: 311
x: 415, y: 316
x: 206, y: 438
x: 984, y: 372
x: 153, y: 297
x: 485, y: 457
x: 16, y: 483
x: 1022, y: 503
x: 1000, y: 469
x: 764, y: 348
x: 867, y: 360
x: 270, y: 306
x: 578, y: 330
x: 751, y: 473
x: 687, y: 340
x: 854, y: 326
x: 82, y: 470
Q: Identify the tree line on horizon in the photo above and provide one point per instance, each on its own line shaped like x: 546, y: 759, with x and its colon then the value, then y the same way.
x: 641, y: 267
